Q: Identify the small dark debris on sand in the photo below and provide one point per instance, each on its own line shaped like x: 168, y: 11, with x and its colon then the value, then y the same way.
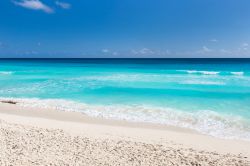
x: 8, y: 102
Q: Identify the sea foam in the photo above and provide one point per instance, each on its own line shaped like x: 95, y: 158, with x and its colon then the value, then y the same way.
x: 200, y: 82
x: 238, y: 73
x: 6, y: 72
x: 202, y: 72
x: 204, y: 121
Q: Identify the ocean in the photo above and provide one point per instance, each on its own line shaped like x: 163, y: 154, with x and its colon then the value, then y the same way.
x: 211, y: 96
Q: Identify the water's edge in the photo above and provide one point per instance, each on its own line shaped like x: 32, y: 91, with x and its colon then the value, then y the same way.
x: 205, y: 121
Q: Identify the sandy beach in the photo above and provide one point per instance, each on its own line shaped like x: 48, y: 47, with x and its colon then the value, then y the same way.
x: 32, y: 136
x: 124, y: 83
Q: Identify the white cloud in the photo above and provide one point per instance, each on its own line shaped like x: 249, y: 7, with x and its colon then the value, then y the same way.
x: 63, y: 5
x: 146, y: 51
x: 162, y: 53
x: 213, y: 40
x: 151, y: 52
x: 205, y: 49
x: 30, y: 52
x: 34, y: 5
x: 109, y: 52
x: 143, y: 51
x: 224, y: 51
x: 105, y: 50
x: 245, y: 45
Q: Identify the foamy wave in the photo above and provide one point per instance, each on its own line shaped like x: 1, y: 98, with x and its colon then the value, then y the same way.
x: 197, y: 82
x: 6, y: 72
x: 205, y: 121
x: 115, y: 77
x: 131, y: 78
x: 202, y: 72
x: 238, y: 73
x: 167, y: 78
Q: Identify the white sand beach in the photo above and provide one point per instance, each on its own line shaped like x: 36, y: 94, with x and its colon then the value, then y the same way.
x: 31, y: 136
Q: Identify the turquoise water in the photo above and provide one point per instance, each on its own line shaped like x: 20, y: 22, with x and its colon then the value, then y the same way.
x: 210, y: 96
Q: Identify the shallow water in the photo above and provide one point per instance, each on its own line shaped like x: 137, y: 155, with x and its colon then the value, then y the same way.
x: 210, y: 96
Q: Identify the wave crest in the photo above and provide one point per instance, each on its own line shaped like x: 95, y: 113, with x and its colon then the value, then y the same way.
x: 238, y: 73
x: 202, y: 72
x: 6, y: 72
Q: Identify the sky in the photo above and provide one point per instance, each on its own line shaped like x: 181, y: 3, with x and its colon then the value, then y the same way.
x: 124, y: 28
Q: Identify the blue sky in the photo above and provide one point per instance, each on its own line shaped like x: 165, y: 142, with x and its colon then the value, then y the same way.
x: 129, y: 28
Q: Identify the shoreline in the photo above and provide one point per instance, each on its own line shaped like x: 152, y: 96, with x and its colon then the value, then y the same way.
x: 73, y: 116
x: 78, y: 124
x: 207, y: 122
